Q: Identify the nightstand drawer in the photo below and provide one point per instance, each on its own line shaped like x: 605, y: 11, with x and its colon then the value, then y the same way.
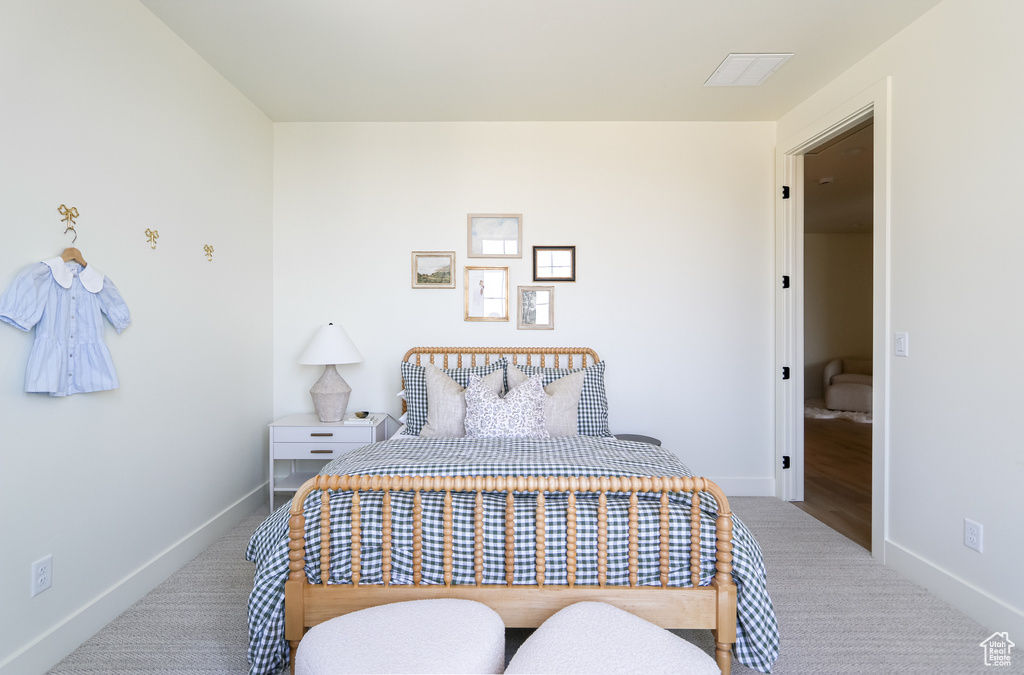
x: 313, y: 450
x: 304, y: 437
x: 323, y: 434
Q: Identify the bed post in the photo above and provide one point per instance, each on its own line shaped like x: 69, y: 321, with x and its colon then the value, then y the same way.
x: 725, y: 622
x: 294, y: 607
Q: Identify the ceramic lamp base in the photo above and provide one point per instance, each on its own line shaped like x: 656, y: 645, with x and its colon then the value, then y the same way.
x: 330, y: 395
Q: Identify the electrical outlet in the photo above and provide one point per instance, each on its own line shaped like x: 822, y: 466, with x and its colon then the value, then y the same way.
x: 972, y: 534
x: 42, y: 575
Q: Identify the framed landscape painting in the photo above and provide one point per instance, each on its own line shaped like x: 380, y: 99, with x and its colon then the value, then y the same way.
x: 433, y: 269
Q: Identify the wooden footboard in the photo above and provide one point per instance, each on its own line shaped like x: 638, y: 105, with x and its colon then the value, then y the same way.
x: 712, y: 607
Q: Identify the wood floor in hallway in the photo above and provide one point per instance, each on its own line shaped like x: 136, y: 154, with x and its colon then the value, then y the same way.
x: 837, y: 476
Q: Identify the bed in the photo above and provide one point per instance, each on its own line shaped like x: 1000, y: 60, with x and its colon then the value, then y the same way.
x: 527, y: 526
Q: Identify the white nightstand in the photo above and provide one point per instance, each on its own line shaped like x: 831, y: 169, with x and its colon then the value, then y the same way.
x: 305, y: 437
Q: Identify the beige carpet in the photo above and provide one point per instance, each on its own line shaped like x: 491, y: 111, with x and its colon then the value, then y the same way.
x: 195, y: 622
x: 839, y: 611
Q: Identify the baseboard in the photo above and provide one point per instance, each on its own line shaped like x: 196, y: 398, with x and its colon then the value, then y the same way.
x: 46, y: 651
x: 987, y: 610
x: 746, y: 487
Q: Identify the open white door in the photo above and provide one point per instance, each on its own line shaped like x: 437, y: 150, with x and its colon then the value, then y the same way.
x: 789, y: 323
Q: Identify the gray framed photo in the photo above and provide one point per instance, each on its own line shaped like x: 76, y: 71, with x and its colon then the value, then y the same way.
x: 486, y: 293
x: 536, y: 308
x: 554, y: 263
x: 433, y: 269
x: 495, y: 235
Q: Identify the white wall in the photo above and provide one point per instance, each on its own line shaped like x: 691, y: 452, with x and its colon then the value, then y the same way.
x: 955, y: 238
x: 672, y: 224
x: 837, y: 303
x: 105, y: 110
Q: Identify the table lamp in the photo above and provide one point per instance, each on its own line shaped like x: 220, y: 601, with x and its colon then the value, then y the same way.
x: 330, y: 346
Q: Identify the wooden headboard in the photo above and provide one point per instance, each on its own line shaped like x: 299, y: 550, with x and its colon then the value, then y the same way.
x: 468, y: 357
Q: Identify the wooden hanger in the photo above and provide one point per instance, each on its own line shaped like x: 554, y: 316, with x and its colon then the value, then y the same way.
x: 73, y: 254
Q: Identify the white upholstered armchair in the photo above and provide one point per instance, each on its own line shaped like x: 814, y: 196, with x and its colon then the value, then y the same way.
x: 848, y: 385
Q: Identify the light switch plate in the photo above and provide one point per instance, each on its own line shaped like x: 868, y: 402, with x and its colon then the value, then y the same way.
x: 901, y: 344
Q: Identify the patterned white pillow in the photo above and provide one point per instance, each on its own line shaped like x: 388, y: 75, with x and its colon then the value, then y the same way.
x: 592, y: 416
x: 519, y: 415
x: 561, y: 400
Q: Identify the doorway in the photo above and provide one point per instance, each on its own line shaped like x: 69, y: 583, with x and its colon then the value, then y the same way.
x: 838, y: 221
x: 871, y: 105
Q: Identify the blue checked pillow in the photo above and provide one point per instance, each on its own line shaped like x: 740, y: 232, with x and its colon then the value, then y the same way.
x: 592, y: 414
x: 416, y: 389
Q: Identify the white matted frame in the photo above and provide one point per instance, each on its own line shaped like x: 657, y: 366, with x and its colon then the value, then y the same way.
x: 486, y: 293
x: 433, y: 269
x: 536, y: 308
x: 495, y: 235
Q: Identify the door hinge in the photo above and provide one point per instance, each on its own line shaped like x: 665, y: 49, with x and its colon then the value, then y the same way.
x: 785, y: 281
x: 785, y: 192
x: 785, y: 461
x: 785, y: 372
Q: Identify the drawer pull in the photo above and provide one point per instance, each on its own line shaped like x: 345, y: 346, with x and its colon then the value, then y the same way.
x: 322, y: 433
x: 320, y: 452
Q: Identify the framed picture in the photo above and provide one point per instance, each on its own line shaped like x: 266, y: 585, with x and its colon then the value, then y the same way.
x: 486, y: 293
x: 536, y: 308
x: 495, y: 235
x: 433, y: 269
x: 554, y: 263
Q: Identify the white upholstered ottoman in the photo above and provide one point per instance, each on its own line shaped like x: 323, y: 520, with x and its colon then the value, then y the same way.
x: 420, y: 636
x: 594, y: 637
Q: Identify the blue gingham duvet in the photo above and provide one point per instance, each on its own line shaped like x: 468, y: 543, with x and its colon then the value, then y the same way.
x: 757, y: 632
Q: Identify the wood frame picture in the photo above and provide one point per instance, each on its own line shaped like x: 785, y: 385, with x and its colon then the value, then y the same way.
x: 554, y: 263
x: 495, y: 235
x: 486, y: 293
x: 433, y: 269
x: 536, y: 308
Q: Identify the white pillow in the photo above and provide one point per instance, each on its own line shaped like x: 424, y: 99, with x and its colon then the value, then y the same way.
x: 446, y: 402
x: 519, y: 415
x: 561, y: 400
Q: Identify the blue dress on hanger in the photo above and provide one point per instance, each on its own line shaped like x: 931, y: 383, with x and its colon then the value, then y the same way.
x: 65, y: 302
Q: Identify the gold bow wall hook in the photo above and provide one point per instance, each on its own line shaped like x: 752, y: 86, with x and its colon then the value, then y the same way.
x: 69, y: 219
x: 209, y: 252
x: 151, y: 237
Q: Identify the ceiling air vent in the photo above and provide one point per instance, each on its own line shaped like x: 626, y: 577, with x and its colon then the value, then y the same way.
x: 746, y: 70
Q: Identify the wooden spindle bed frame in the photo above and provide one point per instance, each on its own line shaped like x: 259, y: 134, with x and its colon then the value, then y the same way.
x: 519, y: 605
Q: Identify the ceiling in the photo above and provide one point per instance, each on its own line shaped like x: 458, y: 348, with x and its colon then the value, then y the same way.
x: 526, y: 60
x: 838, y: 184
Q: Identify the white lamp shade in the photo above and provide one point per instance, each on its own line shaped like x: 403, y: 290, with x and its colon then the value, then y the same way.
x: 330, y: 344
